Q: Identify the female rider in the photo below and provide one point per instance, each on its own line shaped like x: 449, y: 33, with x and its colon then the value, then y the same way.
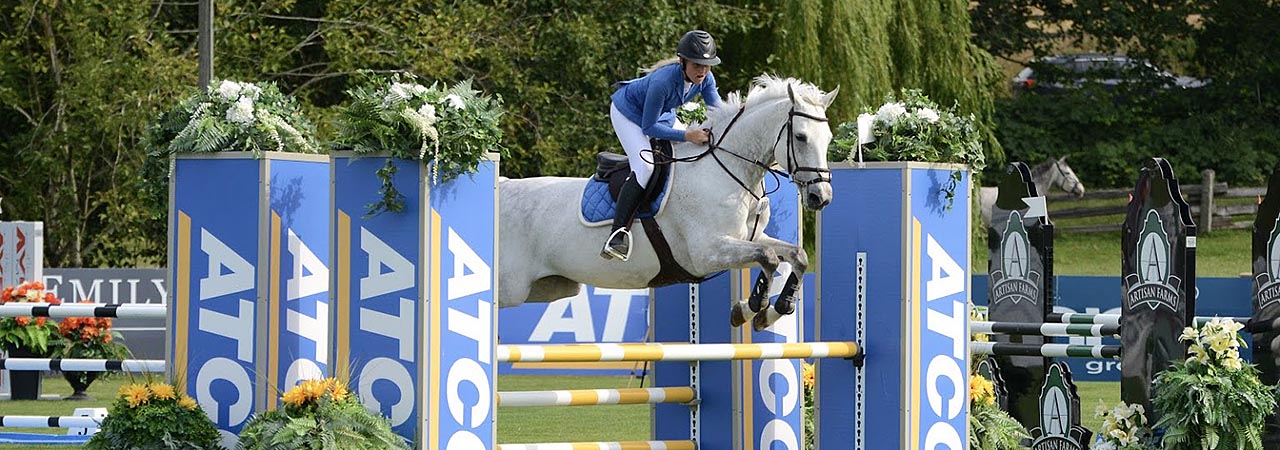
x: 638, y: 113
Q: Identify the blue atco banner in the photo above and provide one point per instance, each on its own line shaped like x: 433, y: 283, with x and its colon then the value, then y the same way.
x: 299, y: 273
x: 215, y: 213
x: 774, y: 385
x: 938, y: 383
x: 462, y: 247
x: 379, y: 293
x: 594, y: 315
x: 1225, y: 297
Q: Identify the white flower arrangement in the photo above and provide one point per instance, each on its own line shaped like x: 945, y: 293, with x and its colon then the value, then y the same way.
x: 1213, y: 399
x: 450, y: 128
x: 911, y: 127
x: 692, y: 112
x: 1124, y: 427
x: 233, y: 116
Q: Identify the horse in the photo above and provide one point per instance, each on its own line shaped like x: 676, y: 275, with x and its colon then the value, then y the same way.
x: 713, y: 217
x: 1047, y: 175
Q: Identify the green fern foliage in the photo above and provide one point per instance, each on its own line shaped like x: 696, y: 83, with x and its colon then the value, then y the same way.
x: 232, y: 116
x: 319, y: 415
x: 449, y: 127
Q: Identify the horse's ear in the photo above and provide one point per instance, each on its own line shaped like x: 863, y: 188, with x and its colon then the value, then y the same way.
x: 830, y: 97
x: 1063, y: 158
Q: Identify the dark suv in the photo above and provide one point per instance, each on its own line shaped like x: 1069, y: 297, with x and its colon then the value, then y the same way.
x: 1055, y: 73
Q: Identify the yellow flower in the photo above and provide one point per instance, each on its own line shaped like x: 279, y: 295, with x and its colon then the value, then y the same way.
x: 136, y: 394
x: 981, y: 390
x: 336, y: 389
x: 187, y: 402
x: 162, y: 391
x: 807, y: 374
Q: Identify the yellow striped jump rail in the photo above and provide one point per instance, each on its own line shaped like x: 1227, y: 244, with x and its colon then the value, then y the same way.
x: 673, y: 352
x: 633, y: 445
x: 585, y: 397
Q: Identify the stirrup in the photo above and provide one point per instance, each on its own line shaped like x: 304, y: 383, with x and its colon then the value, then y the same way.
x: 609, y: 252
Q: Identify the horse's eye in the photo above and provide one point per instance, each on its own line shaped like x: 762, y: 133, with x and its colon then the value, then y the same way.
x: 802, y: 138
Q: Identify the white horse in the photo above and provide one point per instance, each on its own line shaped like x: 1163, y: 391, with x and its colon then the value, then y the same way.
x: 547, y: 253
x: 1047, y: 175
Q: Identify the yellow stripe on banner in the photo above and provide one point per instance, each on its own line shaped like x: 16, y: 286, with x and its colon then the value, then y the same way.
x: 342, y: 308
x: 916, y: 306
x: 273, y: 311
x: 433, y: 350
x: 182, y: 297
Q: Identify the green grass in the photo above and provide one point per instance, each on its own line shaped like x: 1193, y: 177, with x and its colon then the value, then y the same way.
x: 1223, y: 253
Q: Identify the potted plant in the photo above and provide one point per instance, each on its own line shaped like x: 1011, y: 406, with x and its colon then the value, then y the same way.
x: 154, y: 416
x: 452, y: 128
x: 1213, y: 399
x: 86, y: 338
x: 27, y: 337
x: 1124, y: 427
x: 319, y: 415
x: 911, y: 127
x: 989, y: 427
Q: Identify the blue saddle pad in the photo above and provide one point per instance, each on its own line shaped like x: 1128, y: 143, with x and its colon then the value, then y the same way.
x: 598, y: 206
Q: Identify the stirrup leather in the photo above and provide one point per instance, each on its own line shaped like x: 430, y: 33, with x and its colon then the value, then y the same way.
x: 610, y: 251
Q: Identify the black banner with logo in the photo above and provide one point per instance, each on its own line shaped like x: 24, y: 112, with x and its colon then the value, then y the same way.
x: 1020, y: 269
x: 1058, y: 423
x: 1266, y: 294
x: 1157, y: 274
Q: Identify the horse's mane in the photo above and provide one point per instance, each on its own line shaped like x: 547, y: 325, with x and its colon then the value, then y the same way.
x: 764, y: 88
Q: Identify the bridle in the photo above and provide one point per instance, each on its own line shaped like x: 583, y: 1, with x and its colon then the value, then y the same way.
x: 1057, y: 165
x: 822, y: 175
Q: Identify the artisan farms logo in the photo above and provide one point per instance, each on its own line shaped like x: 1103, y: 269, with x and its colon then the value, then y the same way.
x: 1269, y: 280
x: 1155, y: 286
x: 1059, y: 423
x: 1015, y: 281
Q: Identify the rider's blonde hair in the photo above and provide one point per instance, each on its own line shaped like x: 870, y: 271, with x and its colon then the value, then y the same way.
x: 661, y: 64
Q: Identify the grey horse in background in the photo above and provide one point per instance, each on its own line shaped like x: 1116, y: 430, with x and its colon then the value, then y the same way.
x: 1054, y: 173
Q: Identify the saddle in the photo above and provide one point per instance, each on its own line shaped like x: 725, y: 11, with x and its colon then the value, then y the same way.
x: 612, y: 171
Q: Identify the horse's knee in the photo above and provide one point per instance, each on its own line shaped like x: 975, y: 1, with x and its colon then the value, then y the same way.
x: 768, y: 258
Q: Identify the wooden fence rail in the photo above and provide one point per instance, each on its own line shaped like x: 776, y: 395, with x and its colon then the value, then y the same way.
x: 1226, y: 216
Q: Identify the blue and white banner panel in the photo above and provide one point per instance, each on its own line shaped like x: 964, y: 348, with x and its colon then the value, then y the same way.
x: 298, y: 319
x: 461, y: 337
x: 771, y: 389
x: 217, y: 204
x: 938, y: 302
x: 379, y: 288
x: 594, y: 315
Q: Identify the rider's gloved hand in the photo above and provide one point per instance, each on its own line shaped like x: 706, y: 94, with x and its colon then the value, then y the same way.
x: 697, y: 136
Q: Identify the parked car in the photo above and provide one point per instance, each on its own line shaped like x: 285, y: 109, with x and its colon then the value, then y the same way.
x: 1056, y: 73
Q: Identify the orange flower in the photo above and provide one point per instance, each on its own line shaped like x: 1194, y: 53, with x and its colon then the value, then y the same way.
x: 161, y: 391
x: 40, y: 321
x: 22, y: 321
x: 187, y: 402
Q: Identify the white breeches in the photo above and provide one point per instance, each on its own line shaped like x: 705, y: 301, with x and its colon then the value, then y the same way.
x: 635, y: 143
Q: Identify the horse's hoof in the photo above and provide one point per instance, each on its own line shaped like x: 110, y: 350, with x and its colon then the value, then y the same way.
x: 736, y: 319
x: 784, y: 306
x: 761, y: 322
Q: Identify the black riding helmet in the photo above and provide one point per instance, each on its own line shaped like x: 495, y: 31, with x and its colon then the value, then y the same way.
x: 699, y: 47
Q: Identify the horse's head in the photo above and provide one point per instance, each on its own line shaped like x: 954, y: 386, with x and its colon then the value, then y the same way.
x: 801, y: 143
x: 1067, y: 177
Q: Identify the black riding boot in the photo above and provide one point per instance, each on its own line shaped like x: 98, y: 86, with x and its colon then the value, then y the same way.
x: 619, y: 245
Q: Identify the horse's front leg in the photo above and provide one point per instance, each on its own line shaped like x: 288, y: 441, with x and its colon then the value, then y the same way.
x: 728, y: 253
x: 798, y: 260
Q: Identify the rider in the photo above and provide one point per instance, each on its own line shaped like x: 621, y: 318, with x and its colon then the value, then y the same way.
x: 635, y: 110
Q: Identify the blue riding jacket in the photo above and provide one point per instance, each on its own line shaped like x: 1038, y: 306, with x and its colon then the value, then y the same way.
x: 645, y: 100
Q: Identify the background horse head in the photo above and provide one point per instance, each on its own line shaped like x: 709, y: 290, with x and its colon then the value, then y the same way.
x: 1053, y: 173
x: 546, y: 252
